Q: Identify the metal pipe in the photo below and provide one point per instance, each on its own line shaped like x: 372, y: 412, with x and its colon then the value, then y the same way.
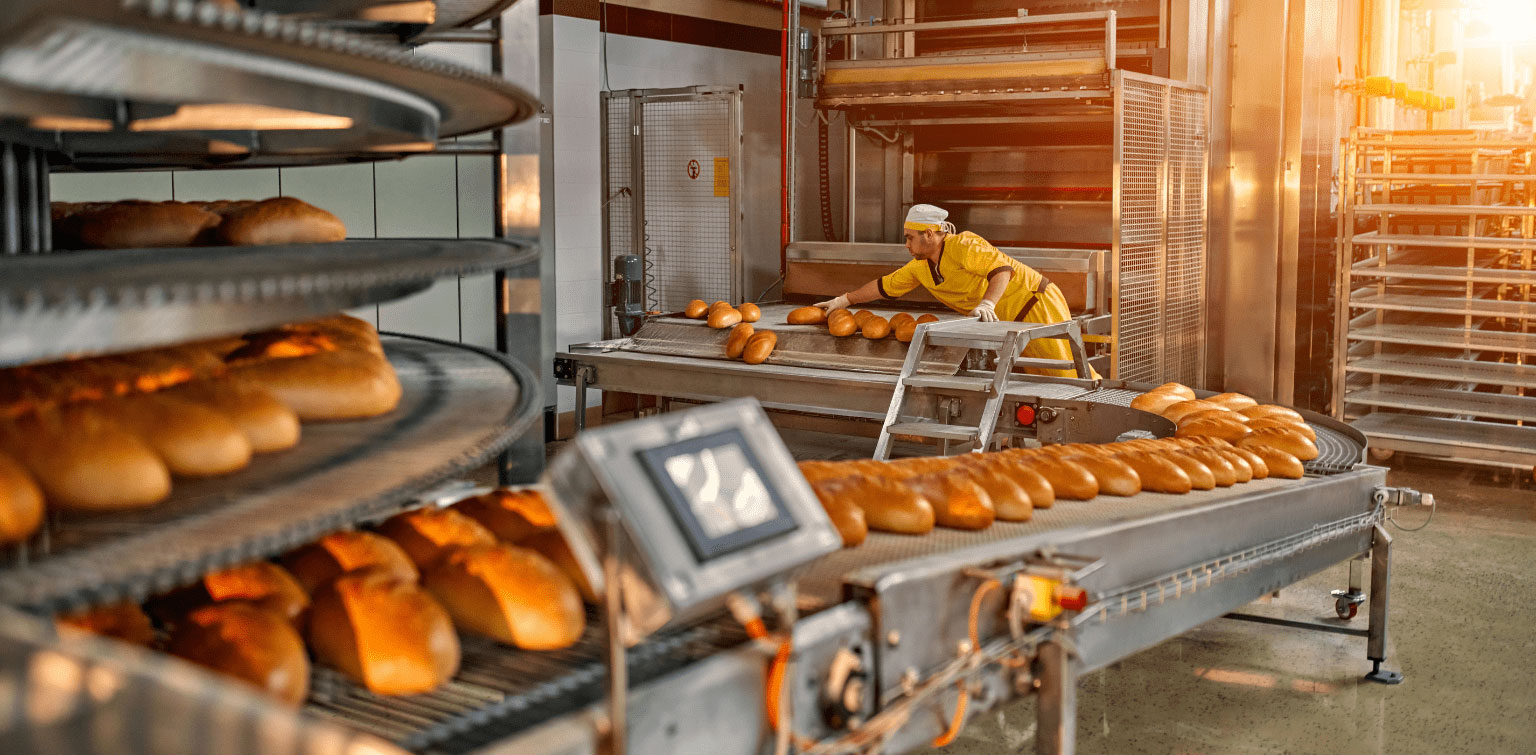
x: 1056, y: 732
x: 1381, y: 577
x: 784, y: 146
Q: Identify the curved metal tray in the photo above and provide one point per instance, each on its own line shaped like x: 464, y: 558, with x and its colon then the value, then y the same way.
x: 451, y: 14
x: 460, y: 406
x: 79, y: 303
x: 113, y: 66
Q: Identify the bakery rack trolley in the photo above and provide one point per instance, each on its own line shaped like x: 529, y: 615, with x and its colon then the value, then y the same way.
x: 105, y: 84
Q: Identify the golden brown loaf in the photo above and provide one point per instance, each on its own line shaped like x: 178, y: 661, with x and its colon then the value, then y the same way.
x: 898, y: 319
x: 927, y: 318
x: 510, y: 594
x: 1114, y: 476
x: 328, y: 385
x: 138, y: 225
x: 1200, y: 476
x: 724, y: 317
x: 1223, y: 414
x: 807, y: 316
x: 736, y: 342
x: 845, y: 514
x: 1041, y: 494
x: 875, y: 327
x: 1070, y: 480
x: 759, y: 347
x: 1222, y: 471
x: 1233, y: 401
x: 1226, y: 429
x: 84, y: 462
x: 1278, y: 463
x: 1283, y: 438
x: 905, y: 331
x: 192, y: 439
x: 426, y: 535
x: 1158, y: 474
x: 262, y: 583
x: 1178, y: 389
x: 21, y: 502
x: 750, y: 312
x: 1178, y: 411
x: 1260, y: 469
x: 696, y: 309
x: 891, y: 506
x: 1263, y: 411
x: 1156, y: 401
x: 1010, y: 502
x: 552, y: 545
x: 346, y: 551
x: 1300, y: 428
x: 862, y: 316
x: 841, y: 323
x: 280, y: 220
x: 268, y: 424
x: 383, y: 631
x: 1240, y: 464
x: 246, y: 642
x: 120, y: 621
x: 510, y: 515
x: 958, y: 503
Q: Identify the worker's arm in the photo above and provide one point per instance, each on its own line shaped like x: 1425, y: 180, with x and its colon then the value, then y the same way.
x: 868, y: 292
x: 986, y: 311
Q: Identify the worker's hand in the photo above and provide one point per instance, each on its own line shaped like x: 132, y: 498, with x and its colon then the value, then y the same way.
x: 832, y: 305
x: 985, y: 311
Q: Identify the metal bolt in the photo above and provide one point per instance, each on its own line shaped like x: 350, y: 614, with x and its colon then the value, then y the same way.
x: 909, y: 681
x: 893, y: 638
x: 965, y: 647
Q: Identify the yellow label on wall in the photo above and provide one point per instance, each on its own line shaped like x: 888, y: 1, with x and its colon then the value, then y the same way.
x: 722, y: 176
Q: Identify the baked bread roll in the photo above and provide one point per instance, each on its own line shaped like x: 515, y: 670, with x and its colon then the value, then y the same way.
x: 329, y: 385
x: 1225, y: 429
x: 736, y: 342
x: 836, y: 499
x: 1010, y: 503
x: 1156, y: 401
x: 807, y: 316
x: 891, y: 506
x: 1222, y: 471
x: 927, y: 318
x: 958, y: 502
x: 21, y: 502
x: 280, y: 220
x: 1260, y: 469
x: 841, y: 323
x: 1272, y: 411
x: 1114, y: 476
x: 426, y: 535
x: 510, y: 515
x: 139, y: 225
x: 750, y: 312
x: 1283, y: 438
x: 862, y: 316
x: 696, y: 309
x: 905, y: 331
x: 875, y: 327
x: 512, y: 595
x: 1200, y: 476
x: 1177, y: 389
x: 1177, y: 412
x: 125, y: 622
x: 552, y: 545
x: 383, y: 631
x: 346, y: 551
x: 248, y: 643
x: 268, y: 425
x: 261, y: 583
x: 720, y: 304
x: 724, y: 317
x: 192, y: 439
x: 1222, y: 414
x: 1240, y: 465
x: 1278, y: 463
x: 1070, y: 480
x: 759, y: 347
x: 900, y: 318
x: 1233, y: 401
x: 1157, y: 473
x: 1300, y: 428
x: 83, y: 462
x: 1041, y: 494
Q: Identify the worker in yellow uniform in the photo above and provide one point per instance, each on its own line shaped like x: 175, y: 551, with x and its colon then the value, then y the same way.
x: 972, y: 277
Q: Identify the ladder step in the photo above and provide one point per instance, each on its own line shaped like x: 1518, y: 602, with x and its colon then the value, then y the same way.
x: 951, y: 383
x: 1044, y: 364
x: 935, y: 430
x: 968, y: 340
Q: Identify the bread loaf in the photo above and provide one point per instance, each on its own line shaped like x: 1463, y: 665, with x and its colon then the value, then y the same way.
x: 1070, y: 480
x: 1010, y: 503
x: 1233, y: 401
x: 1300, y: 428
x: 906, y: 331
x: 724, y: 317
x: 1240, y: 465
x: 510, y: 515
x: 248, y: 643
x: 1284, y: 439
x: 1222, y: 414
x: 338, y: 553
x: 192, y: 439
x: 807, y: 316
x: 21, y: 502
x: 1278, y: 463
x: 736, y: 342
x: 891, y: 506
x: 552, y: 545
x: 837, y: 500
x: 720, y: 304
x: 1156, y: 401
x: 427, y: 534
x: 696, y: 309
x: 1115, y: 477
x: 1178, y: 411
x: 383, y: 631
x: 1158, y: 474
x: 958, y: 502
x: 1226, y: 429
x: 139, y: 225
x: 759, y: 347
x: 280, y: 220
x: 901, y: 317
x: 1260, y: 469
x: 260, y: 583
x: 1177, y: 389
x: 83, y: 462
x: 125, y: 622
x: 875, y: 327
x: 862, y: 316
x: 268, y: 425
x: 841, y: 323
x: 329, y: 385
x: 1222, y: 471
x: 1200, y: 476
x: 1041, y: 494
x: 927, y: 318
x: 1263, y: 411
x: 510, y: 594
x: 750, y: 312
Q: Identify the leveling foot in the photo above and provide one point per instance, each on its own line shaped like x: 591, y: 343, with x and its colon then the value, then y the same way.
x: 1381, y: 675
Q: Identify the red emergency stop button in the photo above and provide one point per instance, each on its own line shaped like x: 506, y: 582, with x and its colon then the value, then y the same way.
x: 1025, y: 414
x: 1071, y: 598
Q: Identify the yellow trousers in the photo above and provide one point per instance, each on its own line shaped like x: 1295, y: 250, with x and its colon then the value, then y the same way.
x: 1051, y: 308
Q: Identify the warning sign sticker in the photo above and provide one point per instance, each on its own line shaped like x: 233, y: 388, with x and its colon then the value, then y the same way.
x: 722, y: 176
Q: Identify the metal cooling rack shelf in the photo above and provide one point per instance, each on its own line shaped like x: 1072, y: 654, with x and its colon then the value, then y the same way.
x: 1443, y: 368
x: 1447, y: 338
x: 77, y: 303
x: 460, y: 406
x: 1459, y: 439
x: 1443, y: 401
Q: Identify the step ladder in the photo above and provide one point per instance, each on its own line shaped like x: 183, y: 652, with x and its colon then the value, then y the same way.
x: 1006, y: 340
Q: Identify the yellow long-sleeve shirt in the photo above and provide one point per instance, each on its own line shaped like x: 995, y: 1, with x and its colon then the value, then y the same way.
x: 959, y: 280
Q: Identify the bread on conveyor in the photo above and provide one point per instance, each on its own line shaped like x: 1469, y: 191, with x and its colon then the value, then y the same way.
x: 750, y: 312
x: 1215, y: 427
x: 246, y: 642
x: 84, y: 462
x: 1287, y: 439
x: 384, y: 631
x: 1010, y: 502
x: 1233, y: 401
x: 120, y: 621
x: 806, y: 316
x: 1283, y: 423
x: 837, y: 500
x: 21, y: 501
x: 1277, y: 463
x: 1200, y: 476
x: 696, y: 309
x: 1222, y: 471
x: 1041, y: 494
x: 901, y: 318
x: 510, y: 594
x: 279, y: 220
x: 551, y: 544
x: 892, y: 506
x: 1260, y: 469
x: 1178, y: 389
x: 958, y: 502
x: 1158, y: 473
x: 842, y: 323
x: 759, y: 347
x: 862, y: 316
x: 1070, y: 480
x: 262, y: 583
x: 904, y: 331
x: 1224, y: 414
x: 724, y: 317
x: 510, y: 515
x: 267, y: 423
x: 1178, y: 411
x: 328, y: 385
x: 348, y: 550
x: 736, y: 342
x: 193, y: 439
x: 136, y: 225
x: 1156, y: 401
x: 1263, y: 411
x: 1114, y: 476
x: 875, y: 327
x: 427, y: 535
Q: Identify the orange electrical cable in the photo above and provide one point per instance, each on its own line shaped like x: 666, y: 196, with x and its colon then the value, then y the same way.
x: 981, y: 592
x: 958, y: 722
x: 776, y: 682
x: 955, y: 724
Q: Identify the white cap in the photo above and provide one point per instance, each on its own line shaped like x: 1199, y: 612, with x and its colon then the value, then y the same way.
x: 926, y: 217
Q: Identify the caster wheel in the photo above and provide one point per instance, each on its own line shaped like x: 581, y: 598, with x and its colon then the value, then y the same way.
x: 1345, y: 608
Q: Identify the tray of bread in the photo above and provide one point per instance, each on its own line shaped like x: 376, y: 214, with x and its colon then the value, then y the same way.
x: 167, y: 290
x: 405, y: 19
x: 183, y: 78
x: 127, y: 474
x: 440, y: 628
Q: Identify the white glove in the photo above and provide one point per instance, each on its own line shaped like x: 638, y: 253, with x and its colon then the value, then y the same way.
x: 832, y: 305
x: 985, y: 311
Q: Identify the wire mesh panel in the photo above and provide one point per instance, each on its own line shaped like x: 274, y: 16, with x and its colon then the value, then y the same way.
x: 1159, y: 264
x: 675, y: 151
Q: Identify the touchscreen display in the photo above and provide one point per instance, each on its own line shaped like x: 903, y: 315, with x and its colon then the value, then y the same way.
x: 717, y: 491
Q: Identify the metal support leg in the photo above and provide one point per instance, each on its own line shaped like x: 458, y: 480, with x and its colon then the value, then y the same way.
x: 616, y: 742
x: 1346, y: 602
x: 581, y: 399
x: 1056, y: 733
x: 1381, y: 578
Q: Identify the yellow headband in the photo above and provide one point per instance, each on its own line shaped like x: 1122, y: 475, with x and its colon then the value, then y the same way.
x: 921, y: 226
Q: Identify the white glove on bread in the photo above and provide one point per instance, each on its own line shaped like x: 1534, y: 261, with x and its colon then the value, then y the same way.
x: 832, y: 305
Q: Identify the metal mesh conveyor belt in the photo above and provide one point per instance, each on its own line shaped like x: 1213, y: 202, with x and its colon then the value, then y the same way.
x: 499, y: 691
x: 460, y: 406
